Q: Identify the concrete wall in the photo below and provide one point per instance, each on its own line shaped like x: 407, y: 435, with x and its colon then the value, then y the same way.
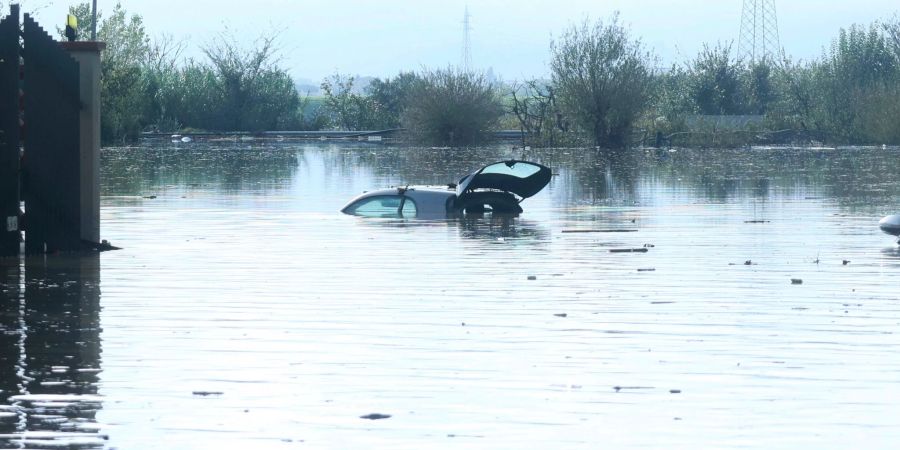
x: 88, y: 56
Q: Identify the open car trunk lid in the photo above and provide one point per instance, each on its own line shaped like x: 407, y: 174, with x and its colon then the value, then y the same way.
x: 521, y: 178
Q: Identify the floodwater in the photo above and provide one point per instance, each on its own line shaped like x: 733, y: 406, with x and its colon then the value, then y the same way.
x: 245, y: 312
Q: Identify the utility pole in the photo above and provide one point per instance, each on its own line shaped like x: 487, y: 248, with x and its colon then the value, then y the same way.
x: 467, y: 43
x: 759, y: 39
x: 94, y: 22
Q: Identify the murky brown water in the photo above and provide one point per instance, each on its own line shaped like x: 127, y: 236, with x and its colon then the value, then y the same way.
x: 245, y: 312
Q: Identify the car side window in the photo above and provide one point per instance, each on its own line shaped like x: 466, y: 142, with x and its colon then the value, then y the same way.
x: 380, y: 206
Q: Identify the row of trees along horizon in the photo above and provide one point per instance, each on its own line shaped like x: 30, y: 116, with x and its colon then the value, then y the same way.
x: 603, y: 90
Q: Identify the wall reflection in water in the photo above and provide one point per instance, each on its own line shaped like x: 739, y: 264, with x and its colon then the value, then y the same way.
x: 50, y: 352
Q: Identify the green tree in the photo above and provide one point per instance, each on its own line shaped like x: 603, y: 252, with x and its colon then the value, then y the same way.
x: 341, y: 103
x: 256, y: 93
x: 161, y: 82
x: 759, y: 87
x: 123, y: 88
x: 451, y: 107
x: 716, y: 81
x: 670, y: 100
x: 851, y: 81
x: 389, y: 97
x: 380, y: 107
x: 192, y: 97
x: 602, y: 78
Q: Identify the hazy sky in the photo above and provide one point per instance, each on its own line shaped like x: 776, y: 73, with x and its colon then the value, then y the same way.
x: 369, y: 37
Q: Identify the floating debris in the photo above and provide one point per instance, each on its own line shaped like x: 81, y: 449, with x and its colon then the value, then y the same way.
x: 207, y: 393
x: 674, y: 391
x: 630, y: 250
x: 846, y: 262
x: 375, y: 416
x: 561, y: 315
x: 796, y: 281
x: 532, y: 277
x: 619, y: 388
x: 646, y: 270
x: 758, y: 221
x: 745, y: 263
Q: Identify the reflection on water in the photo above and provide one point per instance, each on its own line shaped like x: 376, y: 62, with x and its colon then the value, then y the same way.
x: 849, y: 176
x: 245, y: 311
x: 50, y: 352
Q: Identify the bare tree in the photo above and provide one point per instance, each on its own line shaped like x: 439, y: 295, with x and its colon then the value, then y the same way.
x: 535, y: 107
x: 164, y: 53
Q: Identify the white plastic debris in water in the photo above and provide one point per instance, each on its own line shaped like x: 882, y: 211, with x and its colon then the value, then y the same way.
x: 186, y: 139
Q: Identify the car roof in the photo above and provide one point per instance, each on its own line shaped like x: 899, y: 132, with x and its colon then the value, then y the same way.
x: 428, y: 199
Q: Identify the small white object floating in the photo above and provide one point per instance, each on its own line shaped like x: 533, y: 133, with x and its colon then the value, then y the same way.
x: 186, y: 139
x: 890, y: 225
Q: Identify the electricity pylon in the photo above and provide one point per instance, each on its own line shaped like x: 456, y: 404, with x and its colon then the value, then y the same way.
x: 759, y: 32
x: 467, y: 43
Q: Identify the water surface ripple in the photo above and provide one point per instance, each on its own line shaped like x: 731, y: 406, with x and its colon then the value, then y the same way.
x: 246, y: 312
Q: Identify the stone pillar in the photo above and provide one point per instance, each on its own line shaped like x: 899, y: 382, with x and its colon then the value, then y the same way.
x: 88, y: 56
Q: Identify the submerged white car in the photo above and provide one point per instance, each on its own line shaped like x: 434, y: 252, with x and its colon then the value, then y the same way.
x: 890, y: 225
x: 497, y: 187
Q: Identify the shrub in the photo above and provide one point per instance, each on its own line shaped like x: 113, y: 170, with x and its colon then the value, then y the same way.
x: 602, y: 78
x: 716, y: 82
x: 451, y: 107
